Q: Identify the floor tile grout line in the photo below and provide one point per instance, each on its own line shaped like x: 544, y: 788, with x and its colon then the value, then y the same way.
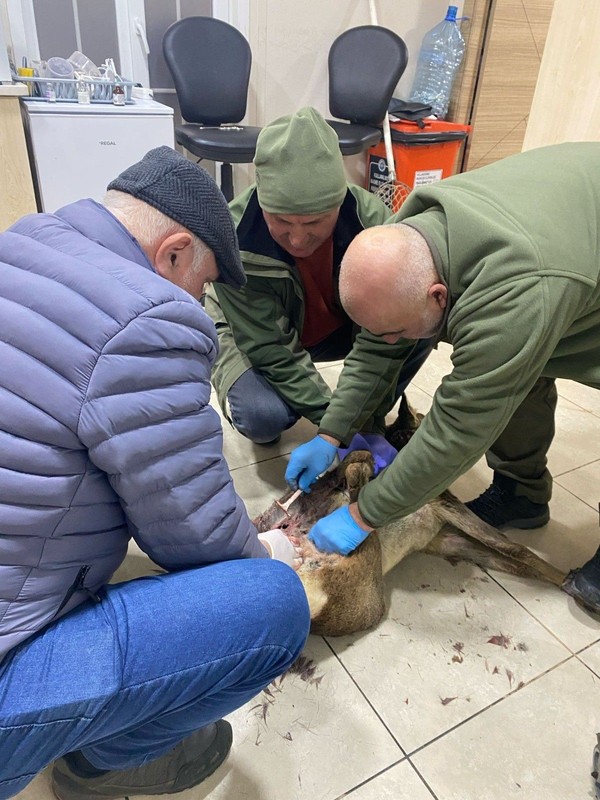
x: 531, y: 614
x: 587, y: 666
x: 569, y: 491
x: 350, y: 792
x: 574, y: 469
x: 260, y: 461
x: 411, y: 753
x: 491, y: 705
x: 369, y: 703
x: 371, y: 778
x: 414, y: 766
x: 586, y: 647
x: 578, y: 405
x: 581, y: 661
x: 385, y: 726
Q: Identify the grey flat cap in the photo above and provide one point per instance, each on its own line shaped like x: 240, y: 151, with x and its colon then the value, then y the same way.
x: 185, y: 192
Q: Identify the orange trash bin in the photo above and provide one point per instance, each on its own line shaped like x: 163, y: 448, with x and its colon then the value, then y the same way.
x: 422, y: 154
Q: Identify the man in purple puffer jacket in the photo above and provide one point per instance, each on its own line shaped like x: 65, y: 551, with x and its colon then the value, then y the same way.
x: 106, y: 433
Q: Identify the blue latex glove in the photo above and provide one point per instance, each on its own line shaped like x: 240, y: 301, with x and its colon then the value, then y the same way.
x: 337, y: 532
x: 382, y: 451
x: 309, y: 461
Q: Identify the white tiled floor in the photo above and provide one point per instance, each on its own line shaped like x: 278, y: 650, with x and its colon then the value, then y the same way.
x: 425, y: 705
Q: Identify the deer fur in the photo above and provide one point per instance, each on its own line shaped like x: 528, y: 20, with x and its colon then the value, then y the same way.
x: 346, y: 593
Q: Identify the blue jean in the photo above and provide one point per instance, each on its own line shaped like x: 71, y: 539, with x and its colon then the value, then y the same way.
x: 126, y: 679
x: 260, y: 413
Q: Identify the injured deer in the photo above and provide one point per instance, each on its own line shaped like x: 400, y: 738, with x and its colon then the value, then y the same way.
x: 345, y: 593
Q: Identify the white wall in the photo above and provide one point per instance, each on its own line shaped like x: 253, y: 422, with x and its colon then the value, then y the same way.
x: 290, y: 42
x: 4, y: 42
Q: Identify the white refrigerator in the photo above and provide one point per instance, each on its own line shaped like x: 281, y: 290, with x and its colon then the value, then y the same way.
x: 76, y: 150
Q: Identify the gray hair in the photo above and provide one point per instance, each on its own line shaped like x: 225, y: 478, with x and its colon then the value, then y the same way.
x: 413, y: 283
x: 149, y: 225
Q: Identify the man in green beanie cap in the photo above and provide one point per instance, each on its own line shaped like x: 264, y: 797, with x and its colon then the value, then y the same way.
x: 294, y: 226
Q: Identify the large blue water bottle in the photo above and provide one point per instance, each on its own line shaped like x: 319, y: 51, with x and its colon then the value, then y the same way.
x: 441, y: 52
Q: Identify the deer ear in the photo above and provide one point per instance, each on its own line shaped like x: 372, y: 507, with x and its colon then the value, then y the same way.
x: 405, y: 424
x: 358, y: 473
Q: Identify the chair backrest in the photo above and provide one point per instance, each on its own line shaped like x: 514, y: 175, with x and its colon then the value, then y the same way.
x: 210, y: 63
x: 365, y: 64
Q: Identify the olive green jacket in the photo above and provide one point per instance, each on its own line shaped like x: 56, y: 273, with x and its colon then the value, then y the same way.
x: 517, y: 243
x: 261, y: 325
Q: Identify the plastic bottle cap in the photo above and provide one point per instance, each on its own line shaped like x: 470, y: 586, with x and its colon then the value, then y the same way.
x: 451, y: 13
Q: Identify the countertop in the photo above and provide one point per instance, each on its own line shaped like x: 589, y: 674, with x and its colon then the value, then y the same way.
x: 12, y: 89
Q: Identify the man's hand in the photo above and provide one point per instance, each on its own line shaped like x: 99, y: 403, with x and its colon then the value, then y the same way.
x: 280, y: 548
x: 341, y: 531
x: 310, y: 460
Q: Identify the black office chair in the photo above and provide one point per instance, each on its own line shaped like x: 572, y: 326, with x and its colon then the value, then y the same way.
x: 365, y: 64
x: 210, y: 64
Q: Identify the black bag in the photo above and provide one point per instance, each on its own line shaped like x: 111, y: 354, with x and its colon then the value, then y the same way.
x: 413, y: 112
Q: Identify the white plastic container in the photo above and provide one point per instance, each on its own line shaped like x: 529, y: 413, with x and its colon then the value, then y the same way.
x: 57, y: 67
x: 82, y: 64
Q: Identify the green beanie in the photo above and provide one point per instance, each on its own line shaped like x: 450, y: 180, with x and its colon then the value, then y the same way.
x: 299, y: 166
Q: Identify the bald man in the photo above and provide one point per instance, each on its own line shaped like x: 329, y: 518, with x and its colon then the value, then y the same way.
x: 503, y: 263
x: 416, y: 297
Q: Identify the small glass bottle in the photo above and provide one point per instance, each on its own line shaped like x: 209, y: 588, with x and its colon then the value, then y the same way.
x: 83, y: 93
x: 118, y: 95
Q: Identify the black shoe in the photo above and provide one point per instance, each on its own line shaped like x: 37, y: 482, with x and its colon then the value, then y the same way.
x: 583, y: 584
x: 501, y: 508
x: 187, y: 765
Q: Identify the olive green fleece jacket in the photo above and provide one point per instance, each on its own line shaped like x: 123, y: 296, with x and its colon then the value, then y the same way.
x: 517, y: 243
x: 261, y: 325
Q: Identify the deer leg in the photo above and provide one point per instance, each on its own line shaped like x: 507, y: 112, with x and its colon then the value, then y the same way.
x: 407, y: 535
x: 513, y: 559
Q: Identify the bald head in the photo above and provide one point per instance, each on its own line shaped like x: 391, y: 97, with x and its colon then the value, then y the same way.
x: 389, y: 284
